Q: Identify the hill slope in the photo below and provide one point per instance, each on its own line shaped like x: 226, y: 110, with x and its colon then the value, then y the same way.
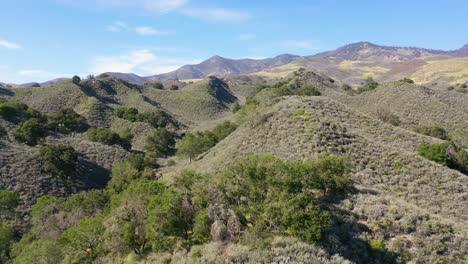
x: 219, y: 66
x: 355, y: 62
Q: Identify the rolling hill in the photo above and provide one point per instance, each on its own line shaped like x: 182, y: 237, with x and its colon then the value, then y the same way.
x: 355, y: 62
x: 400, y: 208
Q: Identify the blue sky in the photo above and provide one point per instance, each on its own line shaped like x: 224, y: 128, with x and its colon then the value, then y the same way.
x: 46, y: 39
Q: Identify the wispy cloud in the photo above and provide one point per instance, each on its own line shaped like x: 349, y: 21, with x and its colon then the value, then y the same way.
x: 149, y: 5
x: 142, y: 61
x: 30, y: 73
x: 117, y: 26
x: 9, y: 45
x: 150, y: 31
x: 217, y: 14
x: 300, y: 44
x: 246, y: 36
x: 124, y: 63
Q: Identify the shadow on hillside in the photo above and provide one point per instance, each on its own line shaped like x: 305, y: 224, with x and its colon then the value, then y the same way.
x: 345, y: 238
x: 6, y: 92
x: 151, y: 101
x: 92, y: 175
x: 220, y: 90
x: 90, y: 91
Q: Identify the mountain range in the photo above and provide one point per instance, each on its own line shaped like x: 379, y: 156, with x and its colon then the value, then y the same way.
x: 351, y: 63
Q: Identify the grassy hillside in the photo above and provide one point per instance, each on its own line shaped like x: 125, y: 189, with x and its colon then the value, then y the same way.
x: 394, y: 186
x: 356, y: 63
x: 312, y: 171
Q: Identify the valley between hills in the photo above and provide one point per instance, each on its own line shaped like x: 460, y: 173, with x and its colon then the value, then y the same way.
x: 356, y: 155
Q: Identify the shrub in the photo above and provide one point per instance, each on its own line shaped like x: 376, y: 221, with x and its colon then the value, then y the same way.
x: 369, y: 85
x: 76, y: 80
x: 236, y: 107
x: 156, y: 118
x: 137, y: 160
x: 30, y: 131
x: 170, y: 163
x: 461, y: 90
x: 9, y: 200
x: 67, y: 121
x: 223, y: 130
x: 307, y: 91
x: 11, y: 109
x: 270, y: 194
x: 123, y: 173
x: 194, y: 144
x: 435, y: 152
x: 190, y: 146
x: 108, y: 137
x: 387, y: 117
x: 174, y: 87
x: 161, y: 142
x: 157, y: 85
x: 103, y: 135
x: 407, y: 80
x: 59, y: 161
x: 432, y: 131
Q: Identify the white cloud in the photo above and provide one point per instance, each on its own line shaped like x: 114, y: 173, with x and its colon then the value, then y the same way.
x: 125, y: 63
x: 31, y: 73
x: 247, y: 36
x: 149, y: 31
x: 9, y: 45
x: 217, y: 14
x: 118, y: 26
x: 299, y: 44
x: 142, y: 62
x: 149, y: 5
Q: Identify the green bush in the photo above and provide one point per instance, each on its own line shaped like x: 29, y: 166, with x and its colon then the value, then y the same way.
x: 387, y: 117
x: 76, y: 80
x: 12, y: 109
x: 307, y: 91
x: 30, y: 131
x: 194, y: 144
x: 157, y: 118
x: 59, y: 161
x: 369, y: 85
x: 447, y: 154
x: 223, y: 130
x: 435, y: 152
x: 9, y: 200
x: 432, y: 131
x: 161, y: 142
x: 268, y: 193
x: 407, y: 80
x: 67, y: 121
x: 236, y: 107
x: 108, y: 137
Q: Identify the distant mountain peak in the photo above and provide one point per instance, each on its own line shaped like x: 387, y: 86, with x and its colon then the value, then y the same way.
x: 220, y: 66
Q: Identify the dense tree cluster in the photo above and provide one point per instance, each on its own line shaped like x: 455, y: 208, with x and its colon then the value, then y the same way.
x: 60, y: 161
x: 273, y: 195
x: 34, y: 125
x: 157, y: 118
x: 137, y: 214
x: 194, y: 144
x: 66, y: 121
x: 289, y: 87
x: 160, y: 143
x: 108, y: 137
